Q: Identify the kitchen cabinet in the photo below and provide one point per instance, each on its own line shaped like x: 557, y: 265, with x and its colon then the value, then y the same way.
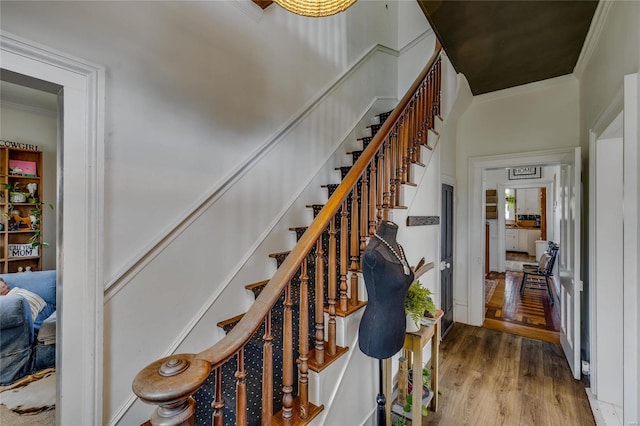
x: 511, y: 240
x: 528, y: 201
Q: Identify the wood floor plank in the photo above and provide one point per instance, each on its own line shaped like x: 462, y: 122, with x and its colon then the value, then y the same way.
x: 493, y: 378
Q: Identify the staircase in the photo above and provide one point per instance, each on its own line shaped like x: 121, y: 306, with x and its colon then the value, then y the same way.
x: 248, y: 377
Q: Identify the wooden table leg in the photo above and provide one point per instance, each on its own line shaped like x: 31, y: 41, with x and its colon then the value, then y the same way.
x: 388, y: 388
x: 416, y: 403
x: 435, y: 350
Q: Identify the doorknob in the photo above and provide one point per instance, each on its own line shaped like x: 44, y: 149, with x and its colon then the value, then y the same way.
x: 444, y: 265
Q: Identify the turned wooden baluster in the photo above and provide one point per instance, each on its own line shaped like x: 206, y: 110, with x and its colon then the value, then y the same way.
x: 364, y: 212
x: 287, y: 358
x: 438, y: 69
x: 431, y: 108
x: 344, y: 240
x: 383, y: 214
x: 241, y: 391
x: 218, y: 400
x: 355, y: 245
x: 386, y: 194
x: 417, y: 153
x: 333, y: 265
x: 267, y: 373
x: 303, y: 342
x: 373, y: 193
x: 319, y: 352
x: 393, y: 177
x: 411, y: 151
x: 421, y: 108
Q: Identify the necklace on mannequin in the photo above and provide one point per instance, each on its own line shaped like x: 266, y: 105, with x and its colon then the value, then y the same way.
x: 400, y: 257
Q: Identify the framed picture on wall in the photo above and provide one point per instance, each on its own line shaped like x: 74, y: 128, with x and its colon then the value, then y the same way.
x: 527, y: 172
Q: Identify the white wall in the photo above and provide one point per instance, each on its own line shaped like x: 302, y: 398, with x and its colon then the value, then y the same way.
x: 22, y: 124
x: 193, y: 92
x: 614, y: 53
x: 534, y: 117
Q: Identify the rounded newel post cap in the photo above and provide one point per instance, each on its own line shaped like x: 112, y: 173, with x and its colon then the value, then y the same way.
x: 171, y: 379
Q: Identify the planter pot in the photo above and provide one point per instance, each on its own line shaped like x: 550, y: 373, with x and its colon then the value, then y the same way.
x: 411, y: 325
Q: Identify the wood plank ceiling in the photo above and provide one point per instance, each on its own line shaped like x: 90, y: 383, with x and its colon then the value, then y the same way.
x: 502, y: 44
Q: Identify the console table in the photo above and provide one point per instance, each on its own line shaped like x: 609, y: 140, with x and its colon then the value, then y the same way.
x: 414, y: 344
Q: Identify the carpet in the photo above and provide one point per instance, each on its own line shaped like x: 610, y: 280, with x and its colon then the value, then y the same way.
x: 32, y: 394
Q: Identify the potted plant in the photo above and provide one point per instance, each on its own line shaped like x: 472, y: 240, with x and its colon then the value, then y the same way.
x: 416, y: 304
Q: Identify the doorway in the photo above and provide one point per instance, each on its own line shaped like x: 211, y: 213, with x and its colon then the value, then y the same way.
x: 569, y: 202
x: 78, y: 222
x: 446, y: 258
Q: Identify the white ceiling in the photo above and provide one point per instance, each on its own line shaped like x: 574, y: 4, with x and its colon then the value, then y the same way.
x: 17, y: 96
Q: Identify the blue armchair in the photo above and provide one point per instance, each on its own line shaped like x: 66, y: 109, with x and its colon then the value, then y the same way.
x: 27, y: 345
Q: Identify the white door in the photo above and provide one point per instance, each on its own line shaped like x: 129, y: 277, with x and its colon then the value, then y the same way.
x: 569, y: 265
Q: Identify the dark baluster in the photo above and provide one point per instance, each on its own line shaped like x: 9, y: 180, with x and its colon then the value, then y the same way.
x: 355, y: 246
x: 267, y: 373
x: 319, y: 352
x: 303, y: 364
x: 333, y: 265
x: 344, y: 240
x: 241, y: 391
x: 287, y: 358
x: 218, y: 401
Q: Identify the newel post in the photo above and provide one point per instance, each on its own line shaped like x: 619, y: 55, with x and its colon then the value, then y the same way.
x: 169, y: 383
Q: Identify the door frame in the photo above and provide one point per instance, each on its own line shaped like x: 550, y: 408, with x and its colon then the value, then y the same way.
x: 79, y: 223
x: 476, y: 217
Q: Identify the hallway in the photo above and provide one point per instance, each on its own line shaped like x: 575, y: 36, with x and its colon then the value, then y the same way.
x: 489, y: 377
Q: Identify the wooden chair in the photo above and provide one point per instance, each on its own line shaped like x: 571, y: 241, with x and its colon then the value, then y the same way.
x: 543, y: 270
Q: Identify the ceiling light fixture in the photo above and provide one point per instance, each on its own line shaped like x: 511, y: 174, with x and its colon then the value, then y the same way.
x: 315, y: 8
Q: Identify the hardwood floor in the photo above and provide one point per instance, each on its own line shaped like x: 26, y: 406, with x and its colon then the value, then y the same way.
x: 532, y: 315
x: 493, y: 378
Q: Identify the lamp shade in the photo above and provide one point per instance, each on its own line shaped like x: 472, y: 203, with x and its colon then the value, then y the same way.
x: 315, y: 8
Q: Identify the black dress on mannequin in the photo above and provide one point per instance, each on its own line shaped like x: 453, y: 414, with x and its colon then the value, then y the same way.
x: 387, y: 277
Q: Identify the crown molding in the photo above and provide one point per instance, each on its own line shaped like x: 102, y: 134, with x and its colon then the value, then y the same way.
x: 525, y: 88
x: 593, y: 36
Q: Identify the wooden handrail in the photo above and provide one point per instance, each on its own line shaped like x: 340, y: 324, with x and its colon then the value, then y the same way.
x: 251, y: 321
x: 169, y: 382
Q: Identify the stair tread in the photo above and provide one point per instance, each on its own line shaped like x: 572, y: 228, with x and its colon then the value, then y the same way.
x: 350, y: 308
x: 314, y: 410
x: 230, y: 321
x: 257, y: 284
x: 328, y: 359
x: 274, y: 255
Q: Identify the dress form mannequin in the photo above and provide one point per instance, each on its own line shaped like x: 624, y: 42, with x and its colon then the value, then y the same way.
x: 387, y: 277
